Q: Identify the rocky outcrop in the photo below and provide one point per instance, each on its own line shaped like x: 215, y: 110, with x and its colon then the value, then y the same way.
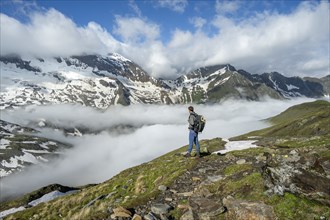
x: 299, y: 172
x: 242, y: 210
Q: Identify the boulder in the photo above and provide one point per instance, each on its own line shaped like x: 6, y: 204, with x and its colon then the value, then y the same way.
x: 121, y: 212
x: 206, y: 207
x: 244, y: 210
x: 160, y: 209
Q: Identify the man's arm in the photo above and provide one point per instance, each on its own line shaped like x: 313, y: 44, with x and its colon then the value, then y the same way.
x: 191, y: 121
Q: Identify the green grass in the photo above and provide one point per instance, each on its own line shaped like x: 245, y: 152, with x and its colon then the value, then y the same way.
x: 305, y: 120
x: 136, y: 184
x: 236, y: 168
x: 292, y: 207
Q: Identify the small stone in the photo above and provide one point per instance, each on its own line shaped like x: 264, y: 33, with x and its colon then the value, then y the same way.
x: 186, y: 194
x: 162, y: 188
x: 150, y: 216
x: 168, y: 199
x: 195, y: 179
x: 136, y: 217
x: 215, y: 178
x: 160, y: 209
x: 183, y: 206
x: 241, y: 161
x: 173, y: 191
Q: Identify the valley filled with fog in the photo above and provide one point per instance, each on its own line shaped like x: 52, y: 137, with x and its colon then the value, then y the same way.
x: 121, y: 137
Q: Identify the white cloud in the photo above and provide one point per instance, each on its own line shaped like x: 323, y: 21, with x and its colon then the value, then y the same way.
x: 160, y: 129
x: 175, y: 5
x: 227, y: 7
x: 136, y: 30
x: 198, y: 22
x: 51, y: 33
x: 135, y: 8
x: 293, y: 44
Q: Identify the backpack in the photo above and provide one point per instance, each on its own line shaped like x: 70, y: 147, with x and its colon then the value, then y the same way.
x: 199, y: 123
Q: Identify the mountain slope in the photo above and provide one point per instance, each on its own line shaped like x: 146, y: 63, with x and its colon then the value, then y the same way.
x: 304, y: 120
x: 102, y: 81
x: 20, y: 147
x: 287, y: 178
x: 90, y: 80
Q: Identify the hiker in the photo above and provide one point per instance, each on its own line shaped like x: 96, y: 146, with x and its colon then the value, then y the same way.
x: 193, y: 132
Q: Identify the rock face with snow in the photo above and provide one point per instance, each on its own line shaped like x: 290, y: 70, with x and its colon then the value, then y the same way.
x: 19, y: 149
x: 102, y: 81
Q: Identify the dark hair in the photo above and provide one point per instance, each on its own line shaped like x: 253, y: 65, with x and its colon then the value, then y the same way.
x: 191, y: 108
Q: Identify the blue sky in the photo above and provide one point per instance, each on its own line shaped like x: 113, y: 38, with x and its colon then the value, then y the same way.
x: 169, y: 16
x: 170, y: 37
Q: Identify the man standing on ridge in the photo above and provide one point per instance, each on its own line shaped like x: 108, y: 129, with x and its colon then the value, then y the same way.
x: 193, y: 132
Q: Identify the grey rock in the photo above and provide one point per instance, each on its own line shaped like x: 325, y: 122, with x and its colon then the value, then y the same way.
x: 242, y: 210
x: 160, y: 209
x: 162, y: 188
x: 215, y: 178
x: 150, y: 216
x: 206, y: 207
x: 241, y: 161
x: 188, y: 215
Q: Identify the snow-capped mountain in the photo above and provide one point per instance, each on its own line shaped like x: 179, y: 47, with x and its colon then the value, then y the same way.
x: 20, y: 148
x: 90, y: 80
x: 102, y: 81
x: 292, y: 86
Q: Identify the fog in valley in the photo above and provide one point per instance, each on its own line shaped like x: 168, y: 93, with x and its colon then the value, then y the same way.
x: 149, y: 131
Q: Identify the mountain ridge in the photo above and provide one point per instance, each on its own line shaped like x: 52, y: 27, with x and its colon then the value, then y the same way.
x: 102, y: 81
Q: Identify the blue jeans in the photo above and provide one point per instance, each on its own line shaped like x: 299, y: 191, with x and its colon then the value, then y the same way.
x: 193, y: 139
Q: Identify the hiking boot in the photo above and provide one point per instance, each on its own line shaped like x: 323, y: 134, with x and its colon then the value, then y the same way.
x: 198, y: 156
x: 187, y: 155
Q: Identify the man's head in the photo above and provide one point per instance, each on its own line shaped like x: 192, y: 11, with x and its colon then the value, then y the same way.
x: 191, y: 109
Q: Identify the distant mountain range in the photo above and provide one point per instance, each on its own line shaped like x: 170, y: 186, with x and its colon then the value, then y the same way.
x: 102, y: 81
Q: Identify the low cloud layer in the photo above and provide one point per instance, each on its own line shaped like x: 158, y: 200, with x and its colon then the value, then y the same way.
x: 160, y: 129
x: 296, y: 43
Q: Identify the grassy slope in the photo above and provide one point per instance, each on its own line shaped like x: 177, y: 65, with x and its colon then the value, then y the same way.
x: 129, y: 188
x: 137, y: 185
x: 304, y: 120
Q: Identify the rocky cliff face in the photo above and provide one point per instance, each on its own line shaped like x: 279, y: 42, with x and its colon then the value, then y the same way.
x: 102, y: 81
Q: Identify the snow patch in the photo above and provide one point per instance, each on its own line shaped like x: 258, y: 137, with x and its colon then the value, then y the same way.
x: 11, y: 211
x: 4, y: 143
x: 236, y: 145
x: 45, y: 198
x: 290, y: 87
x: 50, y: 196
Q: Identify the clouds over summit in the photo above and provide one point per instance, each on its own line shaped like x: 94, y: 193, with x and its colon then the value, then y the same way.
x: 294, y: 43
